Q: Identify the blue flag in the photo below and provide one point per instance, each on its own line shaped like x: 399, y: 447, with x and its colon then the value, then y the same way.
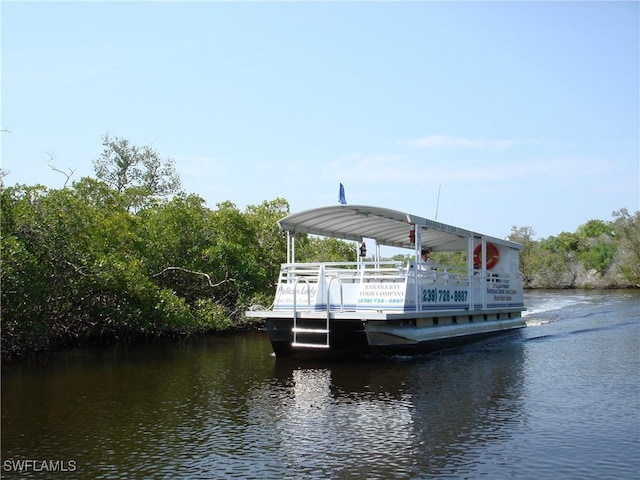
x: 343, y: 200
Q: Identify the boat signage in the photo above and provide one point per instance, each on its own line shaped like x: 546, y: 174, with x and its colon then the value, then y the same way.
x: 501, y: 292
x: 381, y: 295
x: 444, y: 295
x: 304, y: 292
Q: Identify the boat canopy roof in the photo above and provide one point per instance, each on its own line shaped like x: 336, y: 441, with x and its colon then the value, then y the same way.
x: 386, y: 226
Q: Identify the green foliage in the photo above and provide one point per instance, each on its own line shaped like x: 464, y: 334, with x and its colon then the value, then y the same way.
x: 138, y: 173
x: 524, y: 236
x: 314, y: 249
x: 626, y: 230
x: 79, y: 266
x: 453, y: 259
x: 599, y: 253
x: 564, y: 242
x: 211, y: 316
x: 594, y: 229
x: 456, y: 259
x: 270, y: 244
x: 548, y: 267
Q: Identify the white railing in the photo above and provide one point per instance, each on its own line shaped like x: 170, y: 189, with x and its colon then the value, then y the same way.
x: 347, y: 272
x: 416, y: 277
x: 356, y: 272
x: 442, y: 275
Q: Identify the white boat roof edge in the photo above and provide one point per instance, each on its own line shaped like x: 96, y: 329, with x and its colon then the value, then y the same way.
x: 386, y: 226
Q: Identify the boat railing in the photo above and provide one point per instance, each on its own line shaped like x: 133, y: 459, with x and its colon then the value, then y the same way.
x: 295, y: 295
x: 441, y: 275
x: 347, y: 272
x: 337, y: 280
x: 391, y: 271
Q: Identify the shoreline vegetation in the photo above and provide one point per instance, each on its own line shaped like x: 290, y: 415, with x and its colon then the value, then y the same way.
x: 127, y: 256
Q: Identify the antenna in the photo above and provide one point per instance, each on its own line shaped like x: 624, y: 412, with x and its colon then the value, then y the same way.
x: 438, y: 202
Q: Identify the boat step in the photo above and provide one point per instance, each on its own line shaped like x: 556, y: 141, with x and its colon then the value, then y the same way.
x: 309, y: 330
x: 309, y: 345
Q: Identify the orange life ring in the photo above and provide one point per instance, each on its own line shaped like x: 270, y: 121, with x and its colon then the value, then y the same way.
x: 492, y: 256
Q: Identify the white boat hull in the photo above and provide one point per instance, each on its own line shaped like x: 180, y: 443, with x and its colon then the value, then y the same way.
x: 380, y: 333
x: 389, y: 338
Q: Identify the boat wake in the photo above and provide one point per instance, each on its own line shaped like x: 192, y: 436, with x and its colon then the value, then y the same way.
x: 537, y: 305
x: 543, y: 310
x: 537, y: 322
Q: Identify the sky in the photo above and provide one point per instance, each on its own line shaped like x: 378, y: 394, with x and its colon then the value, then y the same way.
x: 482, y: 115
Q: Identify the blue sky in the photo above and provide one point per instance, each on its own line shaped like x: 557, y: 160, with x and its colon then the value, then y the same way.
x: 520, y: 113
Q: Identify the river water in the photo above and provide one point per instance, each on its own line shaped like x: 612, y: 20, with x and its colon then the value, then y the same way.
x: 558, y: 400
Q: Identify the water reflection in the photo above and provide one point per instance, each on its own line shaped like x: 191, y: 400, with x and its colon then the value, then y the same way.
x: 220, y: 412
x: 400, y: 418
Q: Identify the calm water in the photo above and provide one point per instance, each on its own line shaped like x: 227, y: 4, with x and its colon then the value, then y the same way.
x: 559, y: 400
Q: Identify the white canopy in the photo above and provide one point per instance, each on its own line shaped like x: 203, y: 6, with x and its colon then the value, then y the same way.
x: 385, y: 226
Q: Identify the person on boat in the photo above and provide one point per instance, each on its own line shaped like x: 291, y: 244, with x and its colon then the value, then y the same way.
x: 427, y: 264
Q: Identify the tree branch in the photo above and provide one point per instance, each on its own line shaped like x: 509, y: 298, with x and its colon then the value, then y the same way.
x: 52, y: 167
x: 78, y: 270
x: 202, y: 274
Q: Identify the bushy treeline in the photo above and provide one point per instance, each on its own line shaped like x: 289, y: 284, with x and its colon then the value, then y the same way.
x: 78, y: 266
x: 128, y: 255
x: 600, y: 254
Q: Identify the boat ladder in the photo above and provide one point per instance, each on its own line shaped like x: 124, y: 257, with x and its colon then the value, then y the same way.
x: 322, y: 333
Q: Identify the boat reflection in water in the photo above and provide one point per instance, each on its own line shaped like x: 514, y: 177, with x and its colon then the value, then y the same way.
x: 405, y: 418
